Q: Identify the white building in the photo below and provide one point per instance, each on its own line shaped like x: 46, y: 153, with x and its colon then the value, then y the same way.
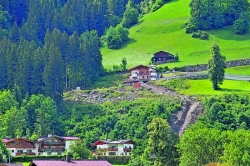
x: 19, y: 146
x: 118, y: 147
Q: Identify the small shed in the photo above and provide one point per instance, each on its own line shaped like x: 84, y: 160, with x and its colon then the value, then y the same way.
x: 137, y: 85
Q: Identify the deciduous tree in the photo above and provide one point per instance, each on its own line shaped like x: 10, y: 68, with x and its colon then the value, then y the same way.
x: 162, y: 142
x: 216, y: 66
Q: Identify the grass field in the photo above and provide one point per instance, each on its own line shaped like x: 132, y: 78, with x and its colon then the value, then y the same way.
x: 241, y: 70
x: 204, y: 87
x: 162, y: 30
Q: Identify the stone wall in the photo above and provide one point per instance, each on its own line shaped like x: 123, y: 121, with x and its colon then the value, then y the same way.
x: 202, y: 67
x: 194, y: 76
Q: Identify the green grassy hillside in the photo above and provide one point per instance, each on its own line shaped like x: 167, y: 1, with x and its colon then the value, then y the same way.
x: 162, y: 30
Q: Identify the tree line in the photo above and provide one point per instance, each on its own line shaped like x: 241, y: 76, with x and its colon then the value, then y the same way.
x: 62, y: 62
x: 214, y: 14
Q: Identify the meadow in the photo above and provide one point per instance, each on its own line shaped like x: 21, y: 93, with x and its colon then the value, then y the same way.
x: 163, y: 30
x: 204, y: 87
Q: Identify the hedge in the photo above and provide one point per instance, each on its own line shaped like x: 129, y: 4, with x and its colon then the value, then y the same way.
x: 120, y: 160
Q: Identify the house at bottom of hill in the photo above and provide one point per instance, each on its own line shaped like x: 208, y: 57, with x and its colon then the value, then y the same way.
x: 117, y: 148
x: 19, y: 146
x: 54, y: 145
x: 70, y: 163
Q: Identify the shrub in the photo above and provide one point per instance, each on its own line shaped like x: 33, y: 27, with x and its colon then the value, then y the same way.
x: 176, y: 58
x: 190, y: 28
x: 115, y: 37
x: 240, y: 26
x: 121, y: 160
x: 200, y: 34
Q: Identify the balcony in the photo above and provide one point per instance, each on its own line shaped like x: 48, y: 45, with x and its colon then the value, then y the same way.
x: 25, y: 153
x: 134, y: 75
x: 51, y: 149
x: 127, y: 149
x: 153, y: 74
x: 112, y: 149
x: 54, y: 143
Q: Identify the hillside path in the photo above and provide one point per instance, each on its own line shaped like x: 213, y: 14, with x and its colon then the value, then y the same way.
x: 188, y: 113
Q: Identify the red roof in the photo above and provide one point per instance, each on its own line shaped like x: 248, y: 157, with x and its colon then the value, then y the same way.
x: 72, y: 163
x: 7, y: 140
x: 138, y: 67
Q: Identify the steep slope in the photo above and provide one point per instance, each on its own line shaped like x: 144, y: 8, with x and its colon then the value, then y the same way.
x: 162, y: 30
x: 190, y: 111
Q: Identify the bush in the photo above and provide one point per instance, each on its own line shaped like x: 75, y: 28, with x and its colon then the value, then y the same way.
x: 190, y: 28
x: 176, y: 58
x: 120, y: 160
x: 200, y: 34
x: 240, y: 26
x: 115, y: 37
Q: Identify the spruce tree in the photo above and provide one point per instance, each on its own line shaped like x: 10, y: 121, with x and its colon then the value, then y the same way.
x: 216, y: 66
x: 53, y: 75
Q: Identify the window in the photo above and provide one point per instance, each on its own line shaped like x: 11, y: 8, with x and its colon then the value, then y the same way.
x: 12, y: 151
x: 29, y: 151
x: 19, y: 151
x: 159, y: 59
x: 12, y: 143
x: 21, y: 143
x: 49, y: 153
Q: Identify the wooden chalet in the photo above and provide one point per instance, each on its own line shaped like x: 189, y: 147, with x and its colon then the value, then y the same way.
x: 19, y: 146
x: 162, y: 57
x: 141, y: 73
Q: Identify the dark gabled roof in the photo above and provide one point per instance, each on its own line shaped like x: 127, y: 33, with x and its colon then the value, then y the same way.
x: 71, y: 163
x: 162, y: 54
x: 61, y: 137
x: 47, y: 137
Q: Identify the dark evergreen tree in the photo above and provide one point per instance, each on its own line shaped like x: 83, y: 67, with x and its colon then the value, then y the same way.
x: 53, y: 75
x: 14, y: 33
x: 5, y: 45
x: 92, y: 56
